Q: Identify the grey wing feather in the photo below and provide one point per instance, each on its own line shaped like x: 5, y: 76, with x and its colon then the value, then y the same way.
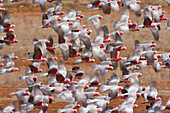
x: 1, y: 21
x: 168, y: 24
x: 86, y: 39
x: 36, y: 64
x: 116, y: 25
x: 96, y: 22
x: 9, y: 62
x: 51, y: 61
x: 1, y: 46
x: 65, y: 51
x: 106, y: 9
x: 6, y: 18
x: 45, y: 20
x: 1, y: 29
x: 115, y: 6
x: 155, y: 32
x: 34, y: 1
x: 58, y: 7
x: 125, y: 11
x: 61, y: 68
x: 135, y: 8
x: 99, y: 36
x: 105, y: 29
x: 118, y: 39
x: 2, y: 71
x: 1, y: 110
x: 42, y: 4
x: 168, y: 2
x: 10, y: 65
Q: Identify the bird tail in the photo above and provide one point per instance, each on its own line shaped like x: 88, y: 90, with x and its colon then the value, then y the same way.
x: 40, y: 27
x: 78, y: 61
x: 104, y: 88
x: 88, y: 6
x: 95, y: 8
x: 51, y: 80
x: 116, y: 25
x: 43, y: 74
x: 13, y: 93
x: 145, y: 102
x: 108, y: 49
x: 60, y: 110
x: 88, y: 18
x: 2, y: 71
x: 22, y: 77
x: 69, y: 33
x: 9, y: 1
x: 83, y: 110
x: 57, y: 95
x: 43, y: 13
x: 115, y: 108
x: 167, y: 28
x: 30, y: 106
x: 125, y: 77
x: 28, y: 71
x: 163, y: 107
x: 95, y: 67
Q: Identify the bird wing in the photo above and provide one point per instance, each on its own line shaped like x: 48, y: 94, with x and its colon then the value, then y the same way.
x: 155, y: 33
x: 64, y: 50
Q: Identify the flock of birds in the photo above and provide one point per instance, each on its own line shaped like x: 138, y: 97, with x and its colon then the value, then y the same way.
x: 88, y: 94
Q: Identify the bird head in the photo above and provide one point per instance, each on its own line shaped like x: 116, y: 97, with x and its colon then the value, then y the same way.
x: 138, y: 2
x: 50, y: 99
x: 34, y: 78
x: 100, y: 17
